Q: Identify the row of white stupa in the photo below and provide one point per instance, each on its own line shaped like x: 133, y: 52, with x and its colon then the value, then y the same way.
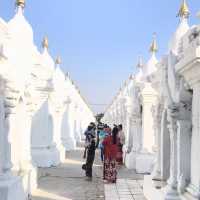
x: 160, y: 111
x: 42, y: 113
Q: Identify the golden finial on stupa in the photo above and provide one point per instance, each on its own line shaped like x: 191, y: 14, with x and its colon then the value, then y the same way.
x: 20, y: 3
x: 154, y: 46
x: 45, y: 42
x: 58, y: 60
x: 184, y: 10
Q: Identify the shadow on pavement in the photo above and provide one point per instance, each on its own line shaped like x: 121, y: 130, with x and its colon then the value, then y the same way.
x: 67, y: 181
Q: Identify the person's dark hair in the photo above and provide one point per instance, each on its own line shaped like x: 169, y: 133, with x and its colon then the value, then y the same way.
x: 92, y: 124
x: 114, y: 135
x: 90, y: 128
x: 120, y: 126
x: 105, y: 126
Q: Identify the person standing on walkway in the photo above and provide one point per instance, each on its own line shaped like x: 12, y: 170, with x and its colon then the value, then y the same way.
x: 108, y: 130
x: 110, y: 153
x: 101, y: 135
x: 91, y: 145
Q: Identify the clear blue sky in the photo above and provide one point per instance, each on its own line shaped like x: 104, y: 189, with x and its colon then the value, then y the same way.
x: 100, y: 40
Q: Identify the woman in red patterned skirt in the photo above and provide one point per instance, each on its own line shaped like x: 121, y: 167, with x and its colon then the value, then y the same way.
x: 110, y: 154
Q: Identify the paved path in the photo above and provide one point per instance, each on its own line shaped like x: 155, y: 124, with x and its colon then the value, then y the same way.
x: 125, y: 189
x: 67, y: 182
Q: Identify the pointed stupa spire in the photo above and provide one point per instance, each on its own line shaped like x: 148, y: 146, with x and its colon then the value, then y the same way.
x: 58, y: 60
x: 140, y: 62
x: 150, y: 66
x: 45, y: 43
x: 184, y: 11
x: 182, y: 28
x: 67, y: 75
x: 20, y: 4
x: 140, y: 66
x: 154, y: 47
x: 131, y: 77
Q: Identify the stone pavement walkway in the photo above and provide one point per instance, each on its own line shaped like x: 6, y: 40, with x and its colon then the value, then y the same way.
x: 67, y: 182
x: 125, y: 189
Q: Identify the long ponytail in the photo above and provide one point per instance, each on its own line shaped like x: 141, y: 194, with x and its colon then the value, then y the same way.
x: 114, y: 135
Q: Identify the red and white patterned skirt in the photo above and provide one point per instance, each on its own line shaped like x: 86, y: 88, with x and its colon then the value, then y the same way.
x: 110, y: 170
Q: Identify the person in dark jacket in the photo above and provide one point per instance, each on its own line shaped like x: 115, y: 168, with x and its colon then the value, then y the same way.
x: 91, y: 145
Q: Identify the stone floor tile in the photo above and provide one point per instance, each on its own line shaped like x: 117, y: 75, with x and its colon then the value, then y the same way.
x: 127, y: 198
x: 139, y: 197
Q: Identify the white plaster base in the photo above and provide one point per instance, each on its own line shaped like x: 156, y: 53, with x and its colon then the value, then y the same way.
x: 192, y: 192
x: 175, y: 196
x: 69, y: 144
x: 150, y: 189
x: 62, y: 153
x: 171, y: 194
x: 82, y: 137
x: 29, y: 180
x: 144, y: 163
x: 78, y: 137
x: 130, y: 160
x: 12, y: 189
x: 188, y: 196
x: 44, y: 157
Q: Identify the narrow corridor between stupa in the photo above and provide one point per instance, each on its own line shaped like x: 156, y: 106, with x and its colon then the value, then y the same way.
x: 67, y: 182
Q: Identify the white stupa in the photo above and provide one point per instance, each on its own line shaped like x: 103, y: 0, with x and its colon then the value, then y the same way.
x: 20, y: 48
x: 139, y: 75
x: 150, y: 66
x: 183, y: 27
